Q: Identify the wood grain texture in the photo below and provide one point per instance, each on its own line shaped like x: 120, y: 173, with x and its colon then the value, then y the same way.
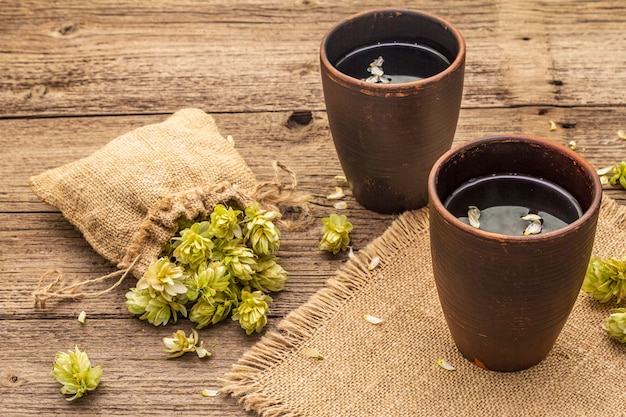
x: 75, y: 75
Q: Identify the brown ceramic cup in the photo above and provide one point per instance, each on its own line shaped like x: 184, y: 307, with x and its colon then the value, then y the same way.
x: 388, y: 136
x: 506, y: 297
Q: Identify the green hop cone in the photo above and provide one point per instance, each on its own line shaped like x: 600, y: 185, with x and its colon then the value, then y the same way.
x: 163, y: 277
x: 261, y: 232
x: 240, y: 261
x: 161, y: 310
x: 615, y: 324
x: 335, y: 233
x: 73, y: 370
x: 606, y: 279
x: 194, y: 244
x: 207, y: 280
x: 619, y: 175
x: 212, y: 311
x: 270, y: 276
x: 225, y: 222
x: 137, y: 300
x: 252, y: 311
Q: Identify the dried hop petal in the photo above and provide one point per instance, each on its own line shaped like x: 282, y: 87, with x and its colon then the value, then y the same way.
x: 606, y: 279
x: 73, y: 370
x: 252, y: 311
x: 335, y: 233
x: 179, y: 343
x: 615, y: 324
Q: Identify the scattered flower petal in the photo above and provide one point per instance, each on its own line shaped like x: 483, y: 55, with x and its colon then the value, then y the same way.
x: 312, y: 353
x: 533, y: 228
x: 337, y: 195
x: 621, y: 134
x: 341, y: 180
x: 372, y: 319
x: 341, y: 205
x: 350, y: 252
x: 445, y: 365
x: 373, y: 263
x: 552, y: 125
x: 82, y: 317
x: 473, y: 214
x: 572, y: 144
x: 532, y: 217
x: 210, y: 393
x: 604, y: 180
x: 605, y: 170
x: 230, y: 139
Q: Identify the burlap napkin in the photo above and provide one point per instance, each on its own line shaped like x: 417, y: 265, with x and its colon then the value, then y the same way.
x: 390, y: 369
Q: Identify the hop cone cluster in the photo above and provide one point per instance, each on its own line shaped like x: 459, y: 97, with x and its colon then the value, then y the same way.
x: 215, y: 268
x: 615, y: 324
x: 335, y: 233
x: 606, y: 279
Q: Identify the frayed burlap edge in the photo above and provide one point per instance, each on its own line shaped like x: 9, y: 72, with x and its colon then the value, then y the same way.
x: 161, y: 224
x: 300, y: 325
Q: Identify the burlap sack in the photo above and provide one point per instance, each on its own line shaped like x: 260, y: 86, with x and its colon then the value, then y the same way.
x: 390, y: 369
x: 127, y: 197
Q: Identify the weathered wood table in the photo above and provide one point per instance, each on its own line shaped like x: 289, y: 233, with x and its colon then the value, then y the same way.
x: 75, y: 75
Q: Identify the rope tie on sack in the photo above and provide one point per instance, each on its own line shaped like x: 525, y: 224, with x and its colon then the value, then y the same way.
x: 46, y: 290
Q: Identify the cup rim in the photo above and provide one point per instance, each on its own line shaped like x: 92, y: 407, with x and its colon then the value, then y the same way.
x: 437, y: 204
x: 454, y: 66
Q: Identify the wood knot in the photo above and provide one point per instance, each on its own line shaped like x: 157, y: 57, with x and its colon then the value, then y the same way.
x: 65, y: 30
x: 10, y: 379
x: 299, y: 119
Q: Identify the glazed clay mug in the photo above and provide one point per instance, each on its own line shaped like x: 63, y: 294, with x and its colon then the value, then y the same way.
x: 393, y: 83
x: 506, y: 293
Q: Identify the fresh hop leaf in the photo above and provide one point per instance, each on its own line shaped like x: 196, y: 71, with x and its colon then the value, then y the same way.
x: 615, y: 324
x: 73, y: 370
x: 606, y: 279
x: 335, y: 233
x: 179, y: 343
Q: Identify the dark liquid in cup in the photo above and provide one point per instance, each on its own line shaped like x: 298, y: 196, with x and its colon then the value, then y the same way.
x: 504, y: 198
x: 403, y: 62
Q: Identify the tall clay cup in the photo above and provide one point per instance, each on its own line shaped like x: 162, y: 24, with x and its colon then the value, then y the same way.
x: 388, y: 136
x: 506, y: 297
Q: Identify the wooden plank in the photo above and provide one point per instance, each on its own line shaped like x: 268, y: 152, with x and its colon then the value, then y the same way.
x: 32, y: 146
x: 70, y: 58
